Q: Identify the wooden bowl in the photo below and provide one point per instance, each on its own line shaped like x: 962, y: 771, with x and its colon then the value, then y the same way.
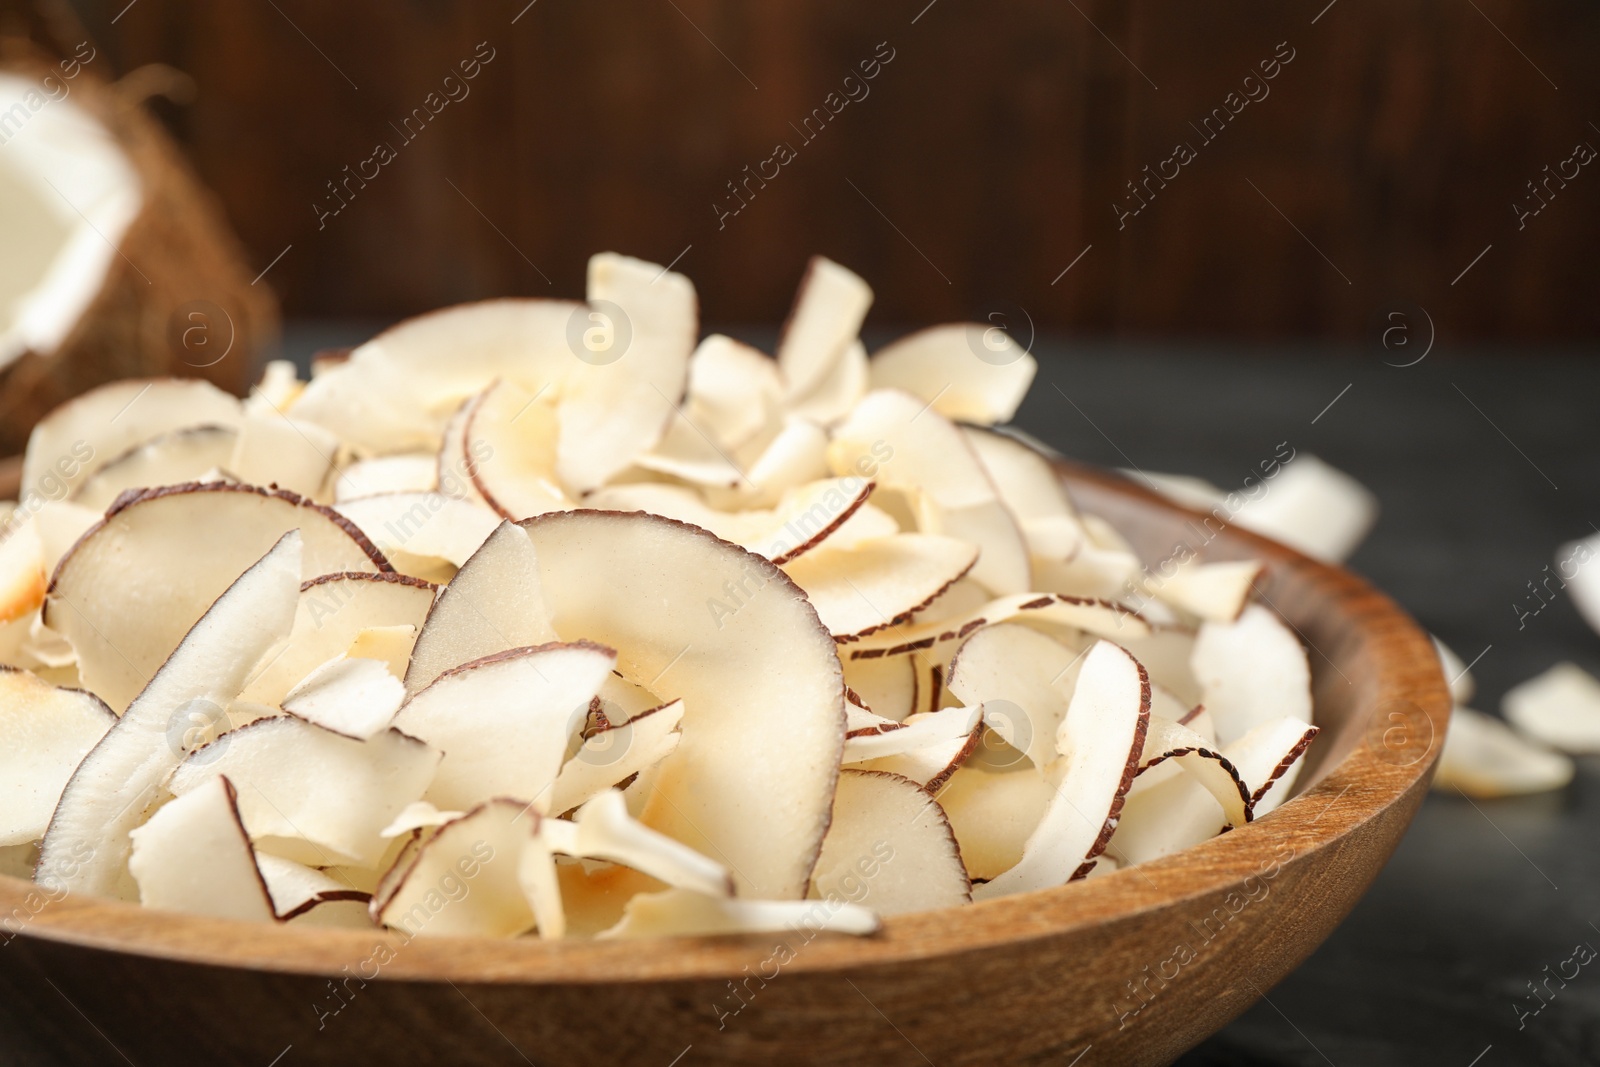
x: 1141, y: 964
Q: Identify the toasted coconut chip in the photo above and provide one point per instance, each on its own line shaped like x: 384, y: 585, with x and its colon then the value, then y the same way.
x: 418, y: 815
x: 1485, y: 758
x: 510, y: 436
x: 414, y: 472
x: 493, y: 604
x: 1314, y: 508
x: 417, y: 529
x: 333, y: 612
x: 623, y: 701
x: 396, y: 863
x: 887, y: 686
x: 44, y: 734
x: 1023, y: 679
x: 175, y: 457
x: 733, y: 388
x: 1103, y: 618
x: 930, y: 765
x: 312, y: 795
x: 109, y: 421
x: 1456, y: 674
x: 296, y: 889
x: 602, y: 829
x: 615, y: 409
x: 22, y: 572
x: 943, y: 366
x: 865, y: 523
x: 890, y: 847
x: 1269, y: 759
x: 690, y: 452
x: 397, y: 391
x: 465, y: 880
x: 839, y: 390
x: 828, y: 308
x: 993, y: 810
x: 796, y: 456
x: 277, y: 389
x: 179, y: 547
x: 761, y: 686
x: 61, y: 525
x: 1251, y: 671
x: 119, y: 780
x: 615, y: 753
x: 861, y: 721
x: 684, y: 913
x: 1166, y: 652
x: 389, y: 645
x: 1169, y: 741
x: 193, y: 856
x: 882, y: 583
x: 1559, y: 708
x: 1032, y: 490
x: 804, y: 517
x: 922, y: 731
x: 914, y: 448
x: 354, y: 697
x: 273, y: 449
x: 1217, y: 592
x: 1100, y: 740
x: 1094, y: 571
x: 1584, y: 582
x: 504, y: 721
x: 452, y: 473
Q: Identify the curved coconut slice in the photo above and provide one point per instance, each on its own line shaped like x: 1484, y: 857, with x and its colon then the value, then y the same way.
x: 333, y: 612
x: 761, y: 688
x: 1269, y: 759
x: 44, y: 734
x: 966, y: 371
x: 605, y: 831
x: 733, y: 388
x: 882, y: 583
x: 465, y: 880
x: 276, y: 390
x: 510, y: 438
x: 312, y: 795
x: 930, y: 765
x: 389, y: 645
x: 1167, y: 740
x: 828, y: 309
x: 840, y: 390
x: 922, y: 731
x: 173, y: 458
x: 615, y: 408
x: 1216, y: 592
x: 22, y: 570
x: 1166, y: 652
x: 296, y: 889
x: 1559, y: 708
x: 1485, y: 758
x: 418, y: 529
x: 118, y: 780
x: 1103, y: 618
x: 684, y: 913
x: 1462, y: 685
x: 860, y: 721
x: 275, y: 450
x: 1584, y: 581
x: 1314, y: 508
x: 616, y: 753
x: 927, y: 453
x: 1032, y: 491
x: 494, y: 603
x: 887, y: 686
x: 1100, y: 740
x: 397, y: 391
x: 416, y: 472
x: 193, y: 856
x: 993, y: 811
x: 1023, y: 679
x: 890, y: 847
x: 689, y: 452
x: 110, y: 421
x: 418, y: 815
x: 354, y: 697
x: 179, y: 547
x: 1251, y: 671
x: 504, y: 721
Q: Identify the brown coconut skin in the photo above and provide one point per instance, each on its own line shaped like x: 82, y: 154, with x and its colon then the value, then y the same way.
x: 182, y: 251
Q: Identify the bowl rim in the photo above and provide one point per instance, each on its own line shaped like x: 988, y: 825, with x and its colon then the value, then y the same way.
x: 1354, y: 792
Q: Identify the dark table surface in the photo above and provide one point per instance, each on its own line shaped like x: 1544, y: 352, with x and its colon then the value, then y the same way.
x: 1484, y: 463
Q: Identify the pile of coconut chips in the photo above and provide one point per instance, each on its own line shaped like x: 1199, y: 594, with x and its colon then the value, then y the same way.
x: 531, y: 615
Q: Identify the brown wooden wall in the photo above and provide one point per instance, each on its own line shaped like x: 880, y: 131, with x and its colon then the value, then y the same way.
x: 986, y: 156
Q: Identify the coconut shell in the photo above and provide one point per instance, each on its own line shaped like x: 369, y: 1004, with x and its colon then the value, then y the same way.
x: 187, y: 260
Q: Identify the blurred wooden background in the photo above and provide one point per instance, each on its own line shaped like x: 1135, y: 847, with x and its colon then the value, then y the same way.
x: 985, y: 158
